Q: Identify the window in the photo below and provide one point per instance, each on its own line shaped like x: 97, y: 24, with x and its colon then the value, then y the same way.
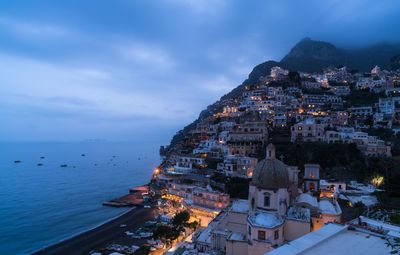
x: 267, y: 200
x: 249, y: 231
x: 276, y: 234
x: 261, y: 235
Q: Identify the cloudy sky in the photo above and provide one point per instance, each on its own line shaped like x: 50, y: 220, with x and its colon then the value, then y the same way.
x: 140, y: 70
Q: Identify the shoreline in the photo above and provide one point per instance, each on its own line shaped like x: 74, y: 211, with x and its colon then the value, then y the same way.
x: 101, y: 234
x: 81, y: 232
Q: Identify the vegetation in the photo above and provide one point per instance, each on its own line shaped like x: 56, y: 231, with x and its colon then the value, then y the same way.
x: 321, y: 91
x: 327, y: 155
x: 362, y: 98
x: 236, y: 187
x: 389, y: 201
x: 143, y: 250
x: 166, y: 232
x: 388, y: 136
x: 294, y: 77
x: 180, y: 218
x: 394, y: 244
x: 171, y: 232
x: 193, y: 224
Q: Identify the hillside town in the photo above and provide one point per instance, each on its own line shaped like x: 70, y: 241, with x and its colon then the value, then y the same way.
x: 234, y: 169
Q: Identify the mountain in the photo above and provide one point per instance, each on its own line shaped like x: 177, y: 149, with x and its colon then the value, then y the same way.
x: 394, y: 63
x: 311, y: 56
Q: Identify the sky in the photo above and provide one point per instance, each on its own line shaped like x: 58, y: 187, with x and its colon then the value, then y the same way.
x: 126, y: 70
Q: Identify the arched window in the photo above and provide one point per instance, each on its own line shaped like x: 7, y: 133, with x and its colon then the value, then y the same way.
x: 267, y: 199
x: 276, y: 234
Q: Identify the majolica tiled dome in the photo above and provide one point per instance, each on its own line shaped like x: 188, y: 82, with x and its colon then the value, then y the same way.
x: 271, y: 173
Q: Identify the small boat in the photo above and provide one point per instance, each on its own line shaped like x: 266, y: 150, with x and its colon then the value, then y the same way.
x: 158, y: 245
x: 41, y: 157
x: 146, y: 234
x: 83, y: 155
x: 63, y: 165
x: 17, y: 161
x: 39, y: 164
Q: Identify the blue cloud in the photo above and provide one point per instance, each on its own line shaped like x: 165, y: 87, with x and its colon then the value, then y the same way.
x: 95, y: 64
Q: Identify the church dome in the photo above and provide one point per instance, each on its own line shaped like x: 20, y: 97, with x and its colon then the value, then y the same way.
x: 271, y: 173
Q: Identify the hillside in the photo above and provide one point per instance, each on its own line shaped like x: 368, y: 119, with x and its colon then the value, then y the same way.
x: 310, y: 56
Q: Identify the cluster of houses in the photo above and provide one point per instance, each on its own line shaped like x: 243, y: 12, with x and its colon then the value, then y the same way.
x: 315, y: 109
x: 282, y: 204
x: 276, y: 211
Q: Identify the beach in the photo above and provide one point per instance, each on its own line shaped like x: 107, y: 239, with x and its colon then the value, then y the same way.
x: 104, y: 234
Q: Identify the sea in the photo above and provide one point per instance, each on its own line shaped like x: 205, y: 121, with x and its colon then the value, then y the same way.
x: 44, y: 204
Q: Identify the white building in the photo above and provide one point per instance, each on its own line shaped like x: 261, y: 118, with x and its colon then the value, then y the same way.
x: 336, y: 239
x: 278, y: 73
x: 238, y: 166
x: 376, y: 71
x: 386, y: 106
x: 269, y: 217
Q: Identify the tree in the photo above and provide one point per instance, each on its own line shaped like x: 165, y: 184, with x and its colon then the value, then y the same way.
x: 181, y: 218
x: 394, y: 244
x: 143, y: 250
x: 294, y: 77
x: 165, y: 232
x: 193, y: 225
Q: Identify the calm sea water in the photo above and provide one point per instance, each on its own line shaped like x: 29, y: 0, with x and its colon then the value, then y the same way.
x: 41, y: 205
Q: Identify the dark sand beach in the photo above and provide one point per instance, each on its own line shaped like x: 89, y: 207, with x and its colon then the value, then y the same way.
x: 100, y: 236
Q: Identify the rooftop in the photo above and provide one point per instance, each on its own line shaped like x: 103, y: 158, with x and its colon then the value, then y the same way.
x: 240, y: 206
x: 299, y: 213
x: 308, y: 199
x: 334, y: 239
x: 390, y: 229
x: 326, y: 207
x: 265, y: 219
x: 235, y: 236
